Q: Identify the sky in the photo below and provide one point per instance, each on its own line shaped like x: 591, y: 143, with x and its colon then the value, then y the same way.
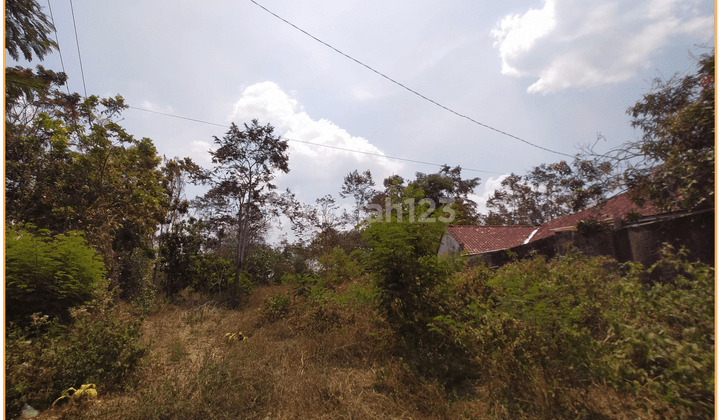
x: 555, y: 73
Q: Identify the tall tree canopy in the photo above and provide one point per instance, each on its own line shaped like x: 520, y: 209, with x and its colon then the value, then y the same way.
x: 70, y: 166
x: 247, y: 161
x: 549, y: 191
x: 446, y: 188
x: 678, y: 144
x: 360, y: 187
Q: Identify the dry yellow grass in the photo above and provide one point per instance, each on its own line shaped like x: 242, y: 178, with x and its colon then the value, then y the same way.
x: 315, y: 362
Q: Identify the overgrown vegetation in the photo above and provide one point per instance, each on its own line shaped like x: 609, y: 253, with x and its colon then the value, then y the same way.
x: 47, y: 274
x: 101, y: 345
x: 177, y: 308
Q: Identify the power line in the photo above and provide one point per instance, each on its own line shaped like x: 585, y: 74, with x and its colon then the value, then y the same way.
x: 82, y: 73
x: 57, y: 41
x: 407, y: 88
x: 315, y: 144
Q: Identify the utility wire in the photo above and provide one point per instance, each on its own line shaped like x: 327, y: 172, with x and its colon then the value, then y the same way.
x: 316, y: 144
x: 407, y: 88
x: 57, y: 41
x: 82, y: 73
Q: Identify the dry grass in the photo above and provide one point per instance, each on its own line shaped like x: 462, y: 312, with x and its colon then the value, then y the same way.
x: 321, y: 362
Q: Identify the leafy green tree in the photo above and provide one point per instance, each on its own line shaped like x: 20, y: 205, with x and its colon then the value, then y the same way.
x: 677, y: 149
x: 406, y: 269
x: 445, y: 189
x: 247, y: 162
x: 47, y: 273
x: 70, y: 166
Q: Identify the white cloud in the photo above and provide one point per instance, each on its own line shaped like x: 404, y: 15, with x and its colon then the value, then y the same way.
x: 312, y: 167
x: 574, y: 44
x: 517, y: 34
x: 155, y: 107
x: 200, y: 149
x: 491, y: 185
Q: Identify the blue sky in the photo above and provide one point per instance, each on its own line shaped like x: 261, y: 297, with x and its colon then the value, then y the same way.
x: 556, y: 73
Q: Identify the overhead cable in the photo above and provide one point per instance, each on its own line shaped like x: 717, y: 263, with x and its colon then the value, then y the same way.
x: 77, y: 41
x: 57, y: 41
x: 314, y: 144
x: 407, y: 88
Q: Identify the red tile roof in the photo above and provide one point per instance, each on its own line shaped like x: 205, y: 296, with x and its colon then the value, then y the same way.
x: 479, y: 239
x: 617, y: 206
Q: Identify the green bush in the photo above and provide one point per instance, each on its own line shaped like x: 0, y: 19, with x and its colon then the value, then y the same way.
x: 100, y: 346
x: 544, y: 329
x: 338, y: 267
x: 47, y: 273
x: 276, y: 306
x: 406, y: 269
x: 660, y: 342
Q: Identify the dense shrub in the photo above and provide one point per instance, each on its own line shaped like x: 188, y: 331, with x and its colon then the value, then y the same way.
x: 47, y: 273
x: 100, y: 346
x: 406, y: 270
x: 543, y: 329
x: 338, y: 267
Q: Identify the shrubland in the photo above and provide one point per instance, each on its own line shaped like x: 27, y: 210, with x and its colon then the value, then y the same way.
x: 177, y: 308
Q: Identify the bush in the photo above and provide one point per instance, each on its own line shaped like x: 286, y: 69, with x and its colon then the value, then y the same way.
x: 47, y: 273
x: 406, y: 271
x: 100, y: 346
x: 276, y: 307
x: 338, y: 267
x: 544, y: 329
x: 661, y: 338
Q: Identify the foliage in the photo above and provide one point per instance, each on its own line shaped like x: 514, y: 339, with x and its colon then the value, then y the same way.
x: 360, y: 187
x: 180, y: 250
x: 661, y: 338
x: 47, y: 273
x: 406, y: 271
x: 100, y: 346
x: 70, y: 166
x: 678, y: 143
x: 27, y: 30
x: 548, y: 192
x: 338, y: 267
x: 591, y: 226
x: 446, y: 186
x: 542, y: 328
x: 186, y: 260
x: 276, y: 306
x: 261, y: 263
x: 672, y: 165
x: 247, y: 162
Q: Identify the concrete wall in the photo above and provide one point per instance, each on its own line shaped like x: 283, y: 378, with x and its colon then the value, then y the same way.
x: 449, y: 245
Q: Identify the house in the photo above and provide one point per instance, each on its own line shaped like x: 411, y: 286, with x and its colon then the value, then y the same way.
x: 616, y: 228
x: 474, y: 240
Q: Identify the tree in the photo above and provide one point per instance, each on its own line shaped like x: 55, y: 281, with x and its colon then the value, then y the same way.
x: 406, y: 270
x: 360, y: 187
x: 27, y: 30
x: 515, y: 203
x: 672, y: 166
x: 446, y: 186
x: 677, y: 169
x: 176, y: 174
x: 242, y: 181
x: 71, y: 166
x: 549, y: 191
